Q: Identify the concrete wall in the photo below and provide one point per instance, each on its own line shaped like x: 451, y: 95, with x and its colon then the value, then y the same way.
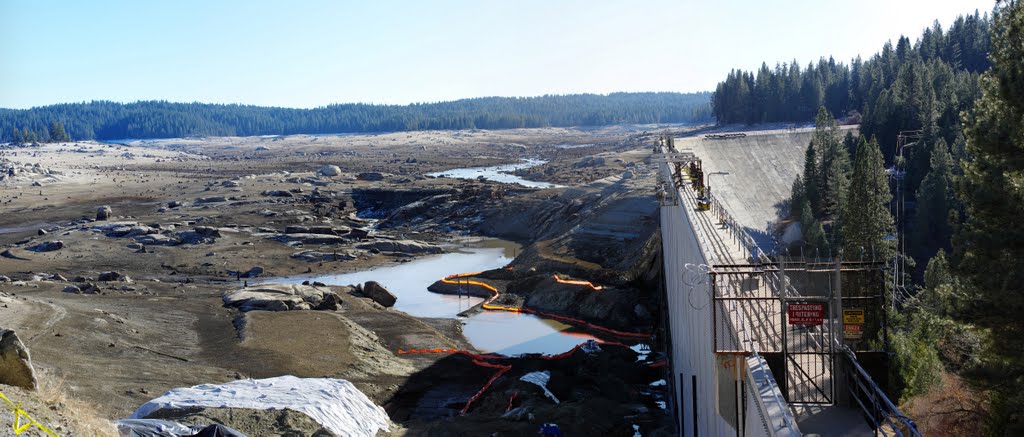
x: 689, y: 307
x: 689, y: 311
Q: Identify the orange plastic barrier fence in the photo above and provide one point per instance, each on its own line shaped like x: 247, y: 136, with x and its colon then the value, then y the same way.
x: 478, y: 359
x: 501, y: 371
x: 573, y: 282
x: 488, y: 305
x: 515, y: 394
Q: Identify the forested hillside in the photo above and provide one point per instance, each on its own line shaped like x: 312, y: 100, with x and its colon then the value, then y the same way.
x: 104, y: 120
x: 909, y: 86
x: 952, y: 197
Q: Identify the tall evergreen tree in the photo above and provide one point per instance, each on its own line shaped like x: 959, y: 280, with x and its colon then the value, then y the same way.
x: 935, y: 200
x: 869, y: 225
x: 812, y: 179
x: 797, y: 197
x: 992, y: 190
x: 15, y: 136
x: 57, y: 132
x: 834, y: 171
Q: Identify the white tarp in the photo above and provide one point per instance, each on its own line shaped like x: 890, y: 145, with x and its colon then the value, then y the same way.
x: 541, y: 379
x: 334, y: 403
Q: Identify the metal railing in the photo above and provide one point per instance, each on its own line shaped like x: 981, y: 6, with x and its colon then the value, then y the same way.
x: 875, y: 405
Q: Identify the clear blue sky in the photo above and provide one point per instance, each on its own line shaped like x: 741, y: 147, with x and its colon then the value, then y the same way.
x: 312, y: 53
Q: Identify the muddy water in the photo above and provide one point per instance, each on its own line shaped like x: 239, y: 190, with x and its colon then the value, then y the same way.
x: 498, y: 173
x: 489, y: 331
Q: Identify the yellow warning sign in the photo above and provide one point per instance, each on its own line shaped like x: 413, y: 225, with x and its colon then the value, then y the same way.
x: 853, y: 317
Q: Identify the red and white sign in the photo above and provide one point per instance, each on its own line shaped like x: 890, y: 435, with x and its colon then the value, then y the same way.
x: 806, y: 313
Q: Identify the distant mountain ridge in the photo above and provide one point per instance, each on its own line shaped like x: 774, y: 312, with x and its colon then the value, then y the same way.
x: 105, y: 120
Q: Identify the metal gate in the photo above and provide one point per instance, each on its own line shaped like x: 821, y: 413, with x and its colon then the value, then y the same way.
x: 808, y: 350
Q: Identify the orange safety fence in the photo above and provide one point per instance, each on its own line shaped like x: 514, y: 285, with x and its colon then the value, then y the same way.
x: 502, y: 368
x: 574, y: 282
x: 515, y: 394
x: 488, y: 305
x: 478, y: 359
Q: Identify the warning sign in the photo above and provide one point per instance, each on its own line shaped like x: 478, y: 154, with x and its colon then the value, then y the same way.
x: 853, y: 317
x: 853, y: 332
x: 806, y: 313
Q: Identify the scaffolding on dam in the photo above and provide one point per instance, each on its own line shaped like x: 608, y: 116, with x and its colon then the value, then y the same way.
x: 764, y: 344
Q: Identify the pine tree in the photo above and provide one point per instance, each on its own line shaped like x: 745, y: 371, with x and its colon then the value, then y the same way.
x: 868, y: 226
x: 834, y: 170
x: 797, y: 197
x: 27, y: 135
x: 57, y: 133
x: 812, y: 179
x: 932, y: 227
x: 992, y: 190
x: 15, y: 136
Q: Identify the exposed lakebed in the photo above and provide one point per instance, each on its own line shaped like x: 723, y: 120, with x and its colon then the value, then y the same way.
x: 489, y: 331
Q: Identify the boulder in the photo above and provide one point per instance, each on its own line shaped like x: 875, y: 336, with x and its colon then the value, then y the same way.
x: 47, y: 246
x: 281, y: 297
x: 402, y: 246
x: 370, y: 176
x: 157, y: 240
x: 208, y: 231
x: 131, y: 231
x: 72, y: 289
x: 254, y: 272
x: 104, y: 212
x: 278, y: 193
x: 110, y: 276
x: 229, y: 184
x: 311, y: 238
x: 379, y: 294
x: 330, y: 170
x: 331, y: 302
x: 15, y: 362
x: 211, y: 199
x: 173, y: 204
x: 323, y: 230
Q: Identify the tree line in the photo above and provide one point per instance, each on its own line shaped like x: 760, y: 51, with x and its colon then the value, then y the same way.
x: 104, y: 120
x: 899, y: 88
x: 961, y: 176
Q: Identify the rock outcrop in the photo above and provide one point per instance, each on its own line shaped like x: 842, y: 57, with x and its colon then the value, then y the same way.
x: 314, y: 256
x: 282, y: 297
x: 47, y: 246
x: 15, y: 362
x: 402, y: 246
x: 379, y: 294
